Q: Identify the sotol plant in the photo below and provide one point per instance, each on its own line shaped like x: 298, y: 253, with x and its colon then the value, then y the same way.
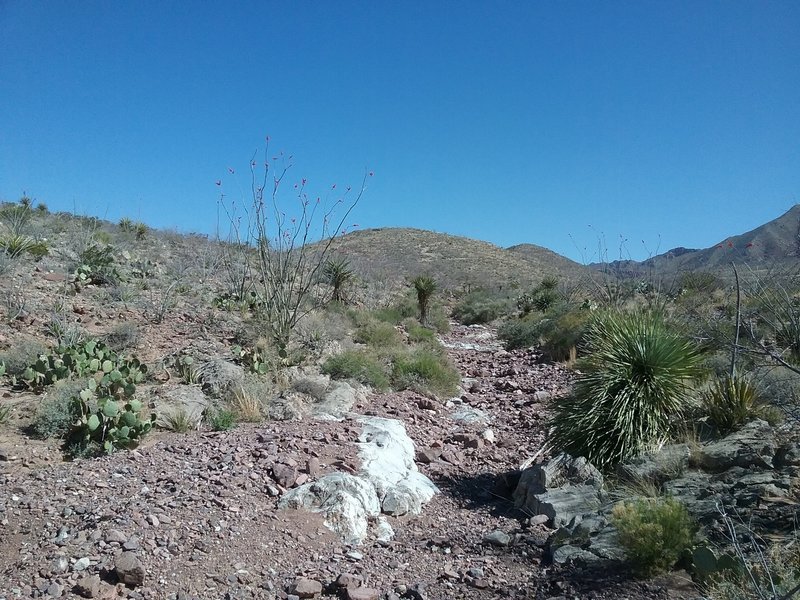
x: 631, y: 390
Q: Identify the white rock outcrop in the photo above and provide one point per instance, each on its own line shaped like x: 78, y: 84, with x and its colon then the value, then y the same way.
x: 388, y: 482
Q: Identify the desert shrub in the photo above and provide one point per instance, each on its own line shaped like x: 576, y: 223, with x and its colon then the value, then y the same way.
x: 247, y: 405
x: 519, y: 333
x: 698, y: 281
x: 179, y: 421
x: 732, y: 402
x: 123, y: 336
x: 221, y: 419
x: 56, y: 412
x: 379, y: 334
x: 359, y: 365
x: 425, y: 369
x: 478, y: 307
x: 654, y: 533
x: 417, y: 333
x: 542, y: 298
x: 774, y: 573
x: 21, y: 355
x: 397, y: 312
x: 561, y: 334
x: 632, y: 388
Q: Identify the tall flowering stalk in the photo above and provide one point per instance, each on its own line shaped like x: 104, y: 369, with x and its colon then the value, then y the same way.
x: 291, y: 249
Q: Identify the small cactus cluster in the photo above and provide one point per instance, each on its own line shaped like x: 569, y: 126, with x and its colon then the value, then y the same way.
x: 105, y: 412
x: 254, y: 360
x: 96, y: 266
x: 707, y: 564
x: 114, y: 374
x: 230, y: 302
x: 187, y: 368
x: 102, y: 422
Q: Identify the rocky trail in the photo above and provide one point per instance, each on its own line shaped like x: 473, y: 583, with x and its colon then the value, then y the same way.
x: 206, y: 515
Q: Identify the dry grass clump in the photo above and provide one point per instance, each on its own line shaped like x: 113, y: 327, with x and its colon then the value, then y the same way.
x: 248, y: 401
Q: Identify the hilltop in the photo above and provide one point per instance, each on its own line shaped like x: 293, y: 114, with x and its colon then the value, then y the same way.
x: 397, y: 254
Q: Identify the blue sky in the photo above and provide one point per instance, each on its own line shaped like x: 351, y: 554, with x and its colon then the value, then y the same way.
x: 555, y: 123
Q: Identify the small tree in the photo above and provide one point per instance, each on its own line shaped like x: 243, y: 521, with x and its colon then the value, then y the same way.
x: 425, y: 287
x: 289, y: 251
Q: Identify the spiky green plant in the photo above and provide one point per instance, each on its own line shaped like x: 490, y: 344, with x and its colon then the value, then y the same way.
x: 337, y: 273
x: 425, y: 287
x: 733, y: 401
x: 631, y: 389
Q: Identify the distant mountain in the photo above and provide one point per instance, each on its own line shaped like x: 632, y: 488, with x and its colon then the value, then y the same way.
x: 776, y: 243
x: 397, y: 254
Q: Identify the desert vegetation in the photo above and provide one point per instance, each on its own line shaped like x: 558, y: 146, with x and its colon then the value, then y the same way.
x: 111, y: 332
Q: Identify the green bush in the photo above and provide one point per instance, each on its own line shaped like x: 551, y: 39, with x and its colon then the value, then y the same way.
x: 417, y: 333
x: 773, y: 573
x: 221, y: 419
x: 20, y: 356
x: 733, y: 402
x: 561, y: 335
x: 519, y: 333
x: 56, y: 413
x: 359, y: 365
x: 426, y: 370
x: 631, y: 390
x: 477, y: 307
x: 378, y: 334
x: 398, y: 311
x: 654, y: 532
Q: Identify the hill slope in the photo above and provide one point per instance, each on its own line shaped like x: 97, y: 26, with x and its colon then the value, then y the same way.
x: 776, y: 243
x: 395, y: 254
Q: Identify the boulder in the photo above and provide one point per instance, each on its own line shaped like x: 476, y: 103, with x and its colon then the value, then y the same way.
x: 173, y: 399
x: 291, y: 406
x: 347, y: 503
x: 754, y: 445
x: 388, y: 481
x: 561, y: 489
x: 129, y: 568
x: 220, y: 377
x: 338, y: 400
x: 657, y: 467
x: 387, y: 461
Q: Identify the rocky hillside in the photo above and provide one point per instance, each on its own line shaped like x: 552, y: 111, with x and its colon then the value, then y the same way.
x: 397, y: 254
x: 773, y: 244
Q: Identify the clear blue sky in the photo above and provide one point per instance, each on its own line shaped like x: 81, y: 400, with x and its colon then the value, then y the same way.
x: 676, y: 123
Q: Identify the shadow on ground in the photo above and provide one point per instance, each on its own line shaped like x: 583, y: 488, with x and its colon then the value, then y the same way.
x: 492, y: 491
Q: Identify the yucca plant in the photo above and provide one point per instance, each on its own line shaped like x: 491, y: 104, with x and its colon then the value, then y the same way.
x: 733, y: 401
x: 631, y: 389
x: 337, y: 273
x: 425, y: 287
